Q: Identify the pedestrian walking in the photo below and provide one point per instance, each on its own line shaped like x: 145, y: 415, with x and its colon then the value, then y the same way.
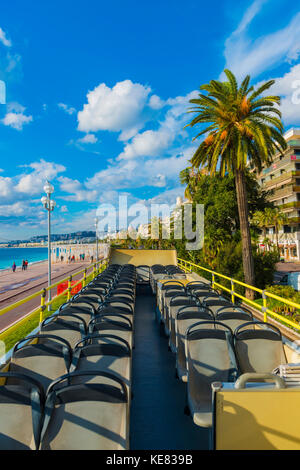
x: 23, y: 265
x: 26, y: 264
x: 14, y: 267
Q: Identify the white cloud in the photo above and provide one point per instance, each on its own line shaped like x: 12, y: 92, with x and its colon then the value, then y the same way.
x: 155, y: 172
x: 152, y: 143
x: 149, y: 143
x: 6, y: 188
x: 245, y: 56
x: 33, y: 183
x: 68, y: 109
x: 63, y: 209
x: 77, y: 192
x: 156, y: 102
x: 288, y: 88
x: 88, y: 139
x: 6, y: 42
x: 15, y: 116
x: 114, y: 109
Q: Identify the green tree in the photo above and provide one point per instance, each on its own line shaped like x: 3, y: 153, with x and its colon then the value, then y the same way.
x: 243, y: 127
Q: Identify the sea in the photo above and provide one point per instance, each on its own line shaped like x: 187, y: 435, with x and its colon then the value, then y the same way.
x: 32, y: 255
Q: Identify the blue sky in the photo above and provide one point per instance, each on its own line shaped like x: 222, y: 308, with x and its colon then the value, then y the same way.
x: 97, y: 94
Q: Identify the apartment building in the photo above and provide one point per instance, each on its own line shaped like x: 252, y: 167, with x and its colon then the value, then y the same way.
x: 283, y: 178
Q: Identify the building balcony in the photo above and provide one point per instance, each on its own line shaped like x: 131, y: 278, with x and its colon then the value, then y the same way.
x: 289, y: 205
x: 285, y: 178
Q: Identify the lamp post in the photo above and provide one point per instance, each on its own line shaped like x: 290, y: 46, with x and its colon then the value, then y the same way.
x: 49, y: 205
x: 96, y: 225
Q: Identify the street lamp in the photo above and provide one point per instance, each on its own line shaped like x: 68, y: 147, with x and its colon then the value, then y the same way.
x: 96, y: 225
x: 49, y: 205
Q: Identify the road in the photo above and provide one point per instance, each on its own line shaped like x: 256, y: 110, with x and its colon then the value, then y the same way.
x: 21, y: 284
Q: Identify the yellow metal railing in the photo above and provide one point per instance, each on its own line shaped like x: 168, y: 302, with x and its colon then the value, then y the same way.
x: 187, y: 267
x: 95, y: 268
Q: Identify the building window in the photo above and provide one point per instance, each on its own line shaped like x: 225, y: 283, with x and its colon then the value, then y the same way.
x: 271, y: 177
x: 294, y: 252
x: 287, y: 229
x: 282, y: 171
x: 263, y: 180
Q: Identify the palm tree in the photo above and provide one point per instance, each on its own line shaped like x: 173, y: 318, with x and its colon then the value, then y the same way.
x: 271, y: 216
x: 189, y: 177
x: 261, y: 220
x: 242, y: 127
x: 277, y: 219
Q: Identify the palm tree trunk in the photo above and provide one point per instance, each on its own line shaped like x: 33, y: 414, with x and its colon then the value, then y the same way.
x: 277, y: 240
x: 242, y: 201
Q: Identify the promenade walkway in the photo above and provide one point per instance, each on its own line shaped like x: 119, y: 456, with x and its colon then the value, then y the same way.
x: 21, y: 284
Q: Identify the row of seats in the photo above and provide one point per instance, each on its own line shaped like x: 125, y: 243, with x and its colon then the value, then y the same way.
x: 159, y: 271
x: 69, y: 386
x: 214, y: 340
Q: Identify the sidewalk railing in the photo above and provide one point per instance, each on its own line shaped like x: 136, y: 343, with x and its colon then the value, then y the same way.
x: 38, y: 315
x: 188, y: 266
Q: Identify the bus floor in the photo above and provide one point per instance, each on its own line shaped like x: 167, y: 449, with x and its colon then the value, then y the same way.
x: 157, y: 419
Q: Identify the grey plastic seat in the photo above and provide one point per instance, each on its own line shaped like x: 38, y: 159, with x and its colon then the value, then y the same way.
x: 168, y: 291
x: 86, y: 416
x: 234, y: 316
x: 104, y: 352
x: 176, y: 302
x: 210, y: 358
x: 122, y: 306
x: 197, y: 285
x: 143, y: 274
x: 68, y: 326
x: 127, y: 299
x: 21, y: 407
x: 215, y: 303
x: 83, y: 309
x: 90, y: 297
x: 177, y: 286
x: 186, y: 317
x: 42, y: 357
x: 259, y: 350
x: 201, y: 294
x: 114, y: 324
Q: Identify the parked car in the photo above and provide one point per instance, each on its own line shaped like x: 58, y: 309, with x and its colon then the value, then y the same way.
x: 289, y: 279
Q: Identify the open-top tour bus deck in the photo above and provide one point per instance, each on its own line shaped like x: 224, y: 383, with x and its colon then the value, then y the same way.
x: 147, y: 356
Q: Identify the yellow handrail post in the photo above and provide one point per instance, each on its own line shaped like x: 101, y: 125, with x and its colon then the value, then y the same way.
x: 43, y: 299
x: 213, y: 280
x: 69, y: 288
x: 264, y: 307
x: 232, y: 291
x: 84, y: 278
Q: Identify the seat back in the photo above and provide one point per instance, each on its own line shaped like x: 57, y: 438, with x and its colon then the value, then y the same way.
x: 143, y: 274
x: 67, y: 326
x: 215, y: 303
x: 234, y: 316
x: 210, y: 358
x: 73, y: 422
x: 21, y: 406
x: 259, y: 350
x: 42, y: 357
x: 176, y: 303
x: 84, y: 309
x: 187, y: 316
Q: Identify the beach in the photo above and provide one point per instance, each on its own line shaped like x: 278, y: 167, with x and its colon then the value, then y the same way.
x: 17, y: 254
